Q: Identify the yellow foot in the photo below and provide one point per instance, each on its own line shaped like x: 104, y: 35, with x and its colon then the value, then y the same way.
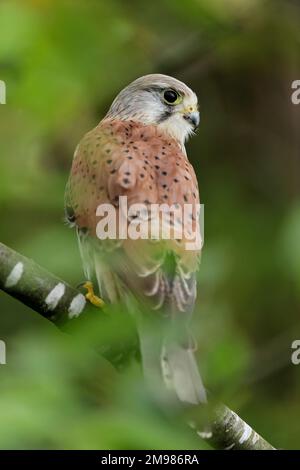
x: 91, y: 296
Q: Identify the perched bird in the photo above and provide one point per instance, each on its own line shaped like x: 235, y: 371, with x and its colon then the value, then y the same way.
x: 137, y: 151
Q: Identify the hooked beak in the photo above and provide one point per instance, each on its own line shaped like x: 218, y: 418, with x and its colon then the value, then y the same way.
x: 193, y: 118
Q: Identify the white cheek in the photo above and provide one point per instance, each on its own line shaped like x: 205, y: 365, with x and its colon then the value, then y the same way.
x: 177, y: 127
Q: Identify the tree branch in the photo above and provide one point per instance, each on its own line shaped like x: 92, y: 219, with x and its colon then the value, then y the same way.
x: 57, y: 301
x: 45, y: 293
x: 227, y: 431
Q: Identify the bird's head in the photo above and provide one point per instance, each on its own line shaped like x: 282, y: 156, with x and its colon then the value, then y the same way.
x: 159, y: 100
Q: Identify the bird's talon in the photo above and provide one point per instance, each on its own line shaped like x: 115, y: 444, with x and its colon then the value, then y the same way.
x: 91, y: 296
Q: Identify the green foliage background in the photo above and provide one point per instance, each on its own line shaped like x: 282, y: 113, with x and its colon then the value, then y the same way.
x: 63, y: 62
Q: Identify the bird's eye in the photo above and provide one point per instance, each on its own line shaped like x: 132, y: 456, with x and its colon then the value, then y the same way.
x: 172, y: 97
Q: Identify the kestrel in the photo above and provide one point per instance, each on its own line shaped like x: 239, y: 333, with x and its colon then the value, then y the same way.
x: 137, y: 154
